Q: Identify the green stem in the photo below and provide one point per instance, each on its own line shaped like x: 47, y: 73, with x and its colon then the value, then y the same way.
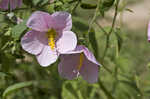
x: 73, y: 10
x: 106, y: 92
x: 103, y: 30
x: 93, y: 19
x: 111, y: 30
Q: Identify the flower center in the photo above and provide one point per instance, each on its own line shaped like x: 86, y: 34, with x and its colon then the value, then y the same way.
x: 80, y: 61
x: 51, y: 34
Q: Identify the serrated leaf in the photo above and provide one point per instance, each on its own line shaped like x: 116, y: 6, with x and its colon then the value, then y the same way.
x: 19, y: 29
x: 15, y: 87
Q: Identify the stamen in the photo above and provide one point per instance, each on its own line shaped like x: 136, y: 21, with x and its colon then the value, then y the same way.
x: 51, y: 38
x: 80, y: 61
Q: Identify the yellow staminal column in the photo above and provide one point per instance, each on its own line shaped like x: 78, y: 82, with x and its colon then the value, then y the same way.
x: 51, y: 38
x: 80, y: 61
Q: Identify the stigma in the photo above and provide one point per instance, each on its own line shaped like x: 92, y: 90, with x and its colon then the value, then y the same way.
x: 51, y: 38
x: 81, y: 58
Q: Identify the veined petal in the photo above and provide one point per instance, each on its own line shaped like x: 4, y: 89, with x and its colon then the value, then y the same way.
x: 47, y: 56
x: 89, y: 71
x: 66, y: 42
x: 77, y: 50
x: 31, y: 43
x: 68, y: 65
x: 148, y: 32
x: 62, y: 21
x: 4, y: 4
x: 40, y: 21
x: 89, y: 55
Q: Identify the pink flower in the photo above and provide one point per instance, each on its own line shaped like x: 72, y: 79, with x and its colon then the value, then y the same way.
x: 79, y: 62
x: 5, y: 4
x: 148, y: 34
x: 50, y: 36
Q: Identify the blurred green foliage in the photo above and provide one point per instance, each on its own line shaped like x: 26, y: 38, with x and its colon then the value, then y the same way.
x: 124, y: 74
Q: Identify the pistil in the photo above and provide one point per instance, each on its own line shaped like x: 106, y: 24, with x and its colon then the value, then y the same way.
x: 80, y: 61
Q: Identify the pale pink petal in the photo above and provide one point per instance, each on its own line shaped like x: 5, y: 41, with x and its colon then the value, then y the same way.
x: 4, y: 4
x: 66, y: 42
x: 31, y: 43
x: 62, y: 21
x: 89, y: 55
x: 47, y: 56
x: 148, y: 32
x: 70, y: 61
x: 68, y: 66
x: 77, y: 50
x: 89, y: 71
x: 40, y: 21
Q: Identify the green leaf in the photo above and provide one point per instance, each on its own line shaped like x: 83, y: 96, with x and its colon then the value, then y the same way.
x: 130, y: 84
x: 19, y: 29
x: 39, y: 2
x: 35, y: 2
x: 15, y: 87
x: 80, y: 24
x: 93, y: 42
x: 28, y: 2
x: 108, y: 3
x: 88, y: 6
x: 105, y: 5
x: 2, y: 74
x: 69, y: 90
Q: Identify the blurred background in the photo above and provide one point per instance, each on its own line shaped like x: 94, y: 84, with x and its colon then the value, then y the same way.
x: 127, y: 58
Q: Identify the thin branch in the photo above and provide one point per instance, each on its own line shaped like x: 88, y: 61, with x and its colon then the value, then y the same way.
x: 94, y: 17
x: 106, y: 92
x: 111, y: 30
x: 73, y: 10
x: 108, y: 70
x: 101, y: 28
x: 115, y: 16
